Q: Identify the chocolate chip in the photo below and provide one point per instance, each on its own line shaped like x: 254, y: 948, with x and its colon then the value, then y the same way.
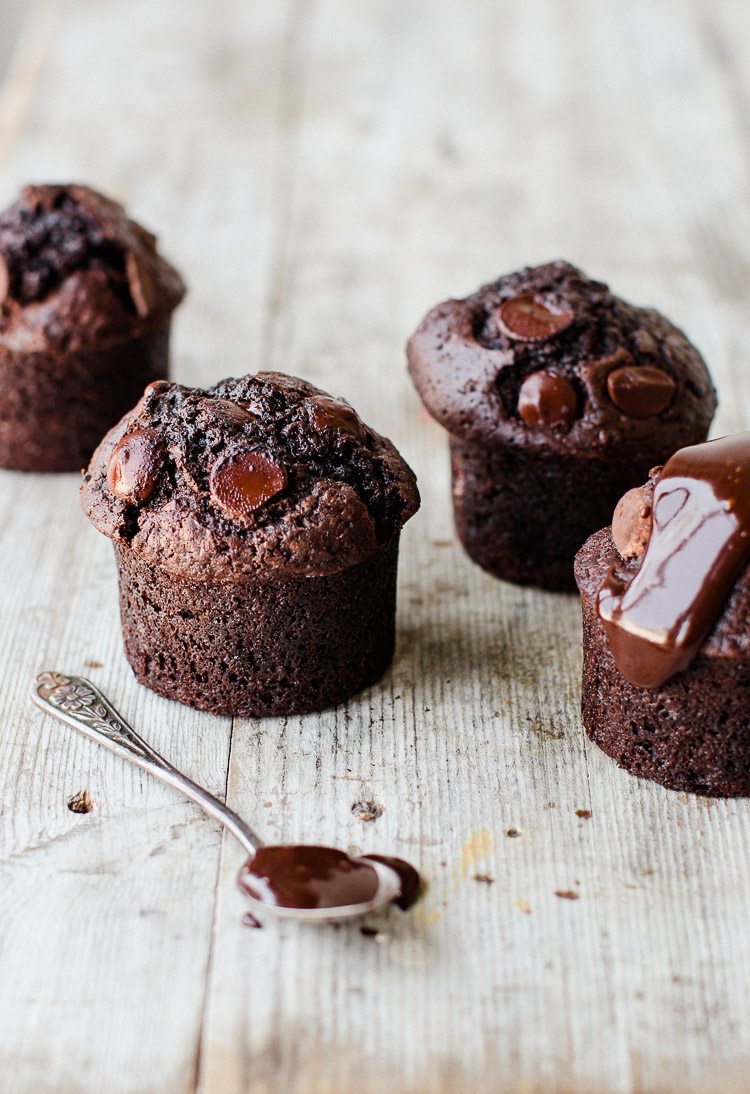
x: 229, y: 411
x: 148, y: 238
x: 640, y: 392
x: 4, y: 280
x: 531, y: 317
x: 242, y: 483
x: 154, y: 390
x: 546, y: 399
x: 327, y: 413
x: 141, y: 283
x: 632, y: 522
x: 135, y: 466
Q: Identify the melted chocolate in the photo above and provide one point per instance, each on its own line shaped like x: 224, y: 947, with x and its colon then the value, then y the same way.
x: 533, y: 317
x: 135, y: 466
x: 656, y: 622
x: 242, y: 483
x: 411, y: 882
x: 640, y: 391
x: 335, y: 414
x: 546, y: 399
x: 308, y: 876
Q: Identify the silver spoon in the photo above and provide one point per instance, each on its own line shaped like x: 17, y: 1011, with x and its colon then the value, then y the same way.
x: 80, y: 704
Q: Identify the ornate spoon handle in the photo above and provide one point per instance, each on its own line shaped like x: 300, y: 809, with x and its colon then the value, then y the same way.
x: 80, y: 704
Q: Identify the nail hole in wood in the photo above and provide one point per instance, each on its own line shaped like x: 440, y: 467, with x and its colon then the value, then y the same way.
x: 367, y: 811
x: 82, y: 802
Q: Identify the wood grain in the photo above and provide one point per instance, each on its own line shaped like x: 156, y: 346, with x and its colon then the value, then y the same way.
x: 323, y: 172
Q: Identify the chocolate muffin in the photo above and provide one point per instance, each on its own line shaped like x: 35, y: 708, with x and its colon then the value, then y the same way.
x: 666, y: 641
x: 256, y: 528
x: 85, y: 308
x: 558, y: 396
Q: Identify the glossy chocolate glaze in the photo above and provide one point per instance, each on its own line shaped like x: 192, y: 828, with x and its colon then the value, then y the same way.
x: 656, y: 622
x: 310, y: 876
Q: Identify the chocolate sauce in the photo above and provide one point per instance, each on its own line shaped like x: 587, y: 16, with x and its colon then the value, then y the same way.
x: 700, y: 540
x: 411, y: 882
x: 305, y: 876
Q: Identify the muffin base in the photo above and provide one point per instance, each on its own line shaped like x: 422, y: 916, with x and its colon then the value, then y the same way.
x: 55, y: 407
x: 268, y: 646
x: 522, y: 514
x: 692, y: 733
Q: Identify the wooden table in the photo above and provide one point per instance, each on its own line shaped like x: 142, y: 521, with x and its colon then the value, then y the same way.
x: 322, y: 172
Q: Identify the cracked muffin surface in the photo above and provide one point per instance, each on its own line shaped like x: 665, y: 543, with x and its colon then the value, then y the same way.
x: 620, y: 371
x: 260, y: 473
x: 86, y: 302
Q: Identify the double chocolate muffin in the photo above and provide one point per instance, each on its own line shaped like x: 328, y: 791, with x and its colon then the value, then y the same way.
x: 558, y: 397
x: 85, y: 308
x: 666, y: 642
x: 256, y: 527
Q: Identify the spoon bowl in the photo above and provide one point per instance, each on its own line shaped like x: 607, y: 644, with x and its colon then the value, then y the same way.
x: 387, y: 890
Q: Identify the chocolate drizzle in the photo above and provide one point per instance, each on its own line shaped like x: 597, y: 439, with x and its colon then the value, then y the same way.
x: 656, y: 622
x: 309, y: 876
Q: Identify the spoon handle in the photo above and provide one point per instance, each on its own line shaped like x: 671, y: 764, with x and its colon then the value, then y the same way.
x: 80, y: 704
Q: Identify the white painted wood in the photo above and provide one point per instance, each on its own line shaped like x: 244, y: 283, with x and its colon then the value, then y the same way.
x: 12, y: 15
x: 323, y: 172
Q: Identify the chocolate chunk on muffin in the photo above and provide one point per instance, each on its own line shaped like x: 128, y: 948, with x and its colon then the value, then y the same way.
x: 256, y: 527
x: 558, y: 397
x: 85, y: 309
x: 666, y: 641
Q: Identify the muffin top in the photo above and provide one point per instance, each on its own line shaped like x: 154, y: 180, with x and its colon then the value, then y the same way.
x: 671, y: 578
x: 548, y: 358
x: 255, y: 475
x: 75, y: 270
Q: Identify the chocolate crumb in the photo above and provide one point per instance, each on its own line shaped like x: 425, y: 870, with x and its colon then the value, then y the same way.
x: 566, y: 894
x: 486, y: 878
x: 369, y: 932
x: 512, y: 833
x: 585, y: 814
